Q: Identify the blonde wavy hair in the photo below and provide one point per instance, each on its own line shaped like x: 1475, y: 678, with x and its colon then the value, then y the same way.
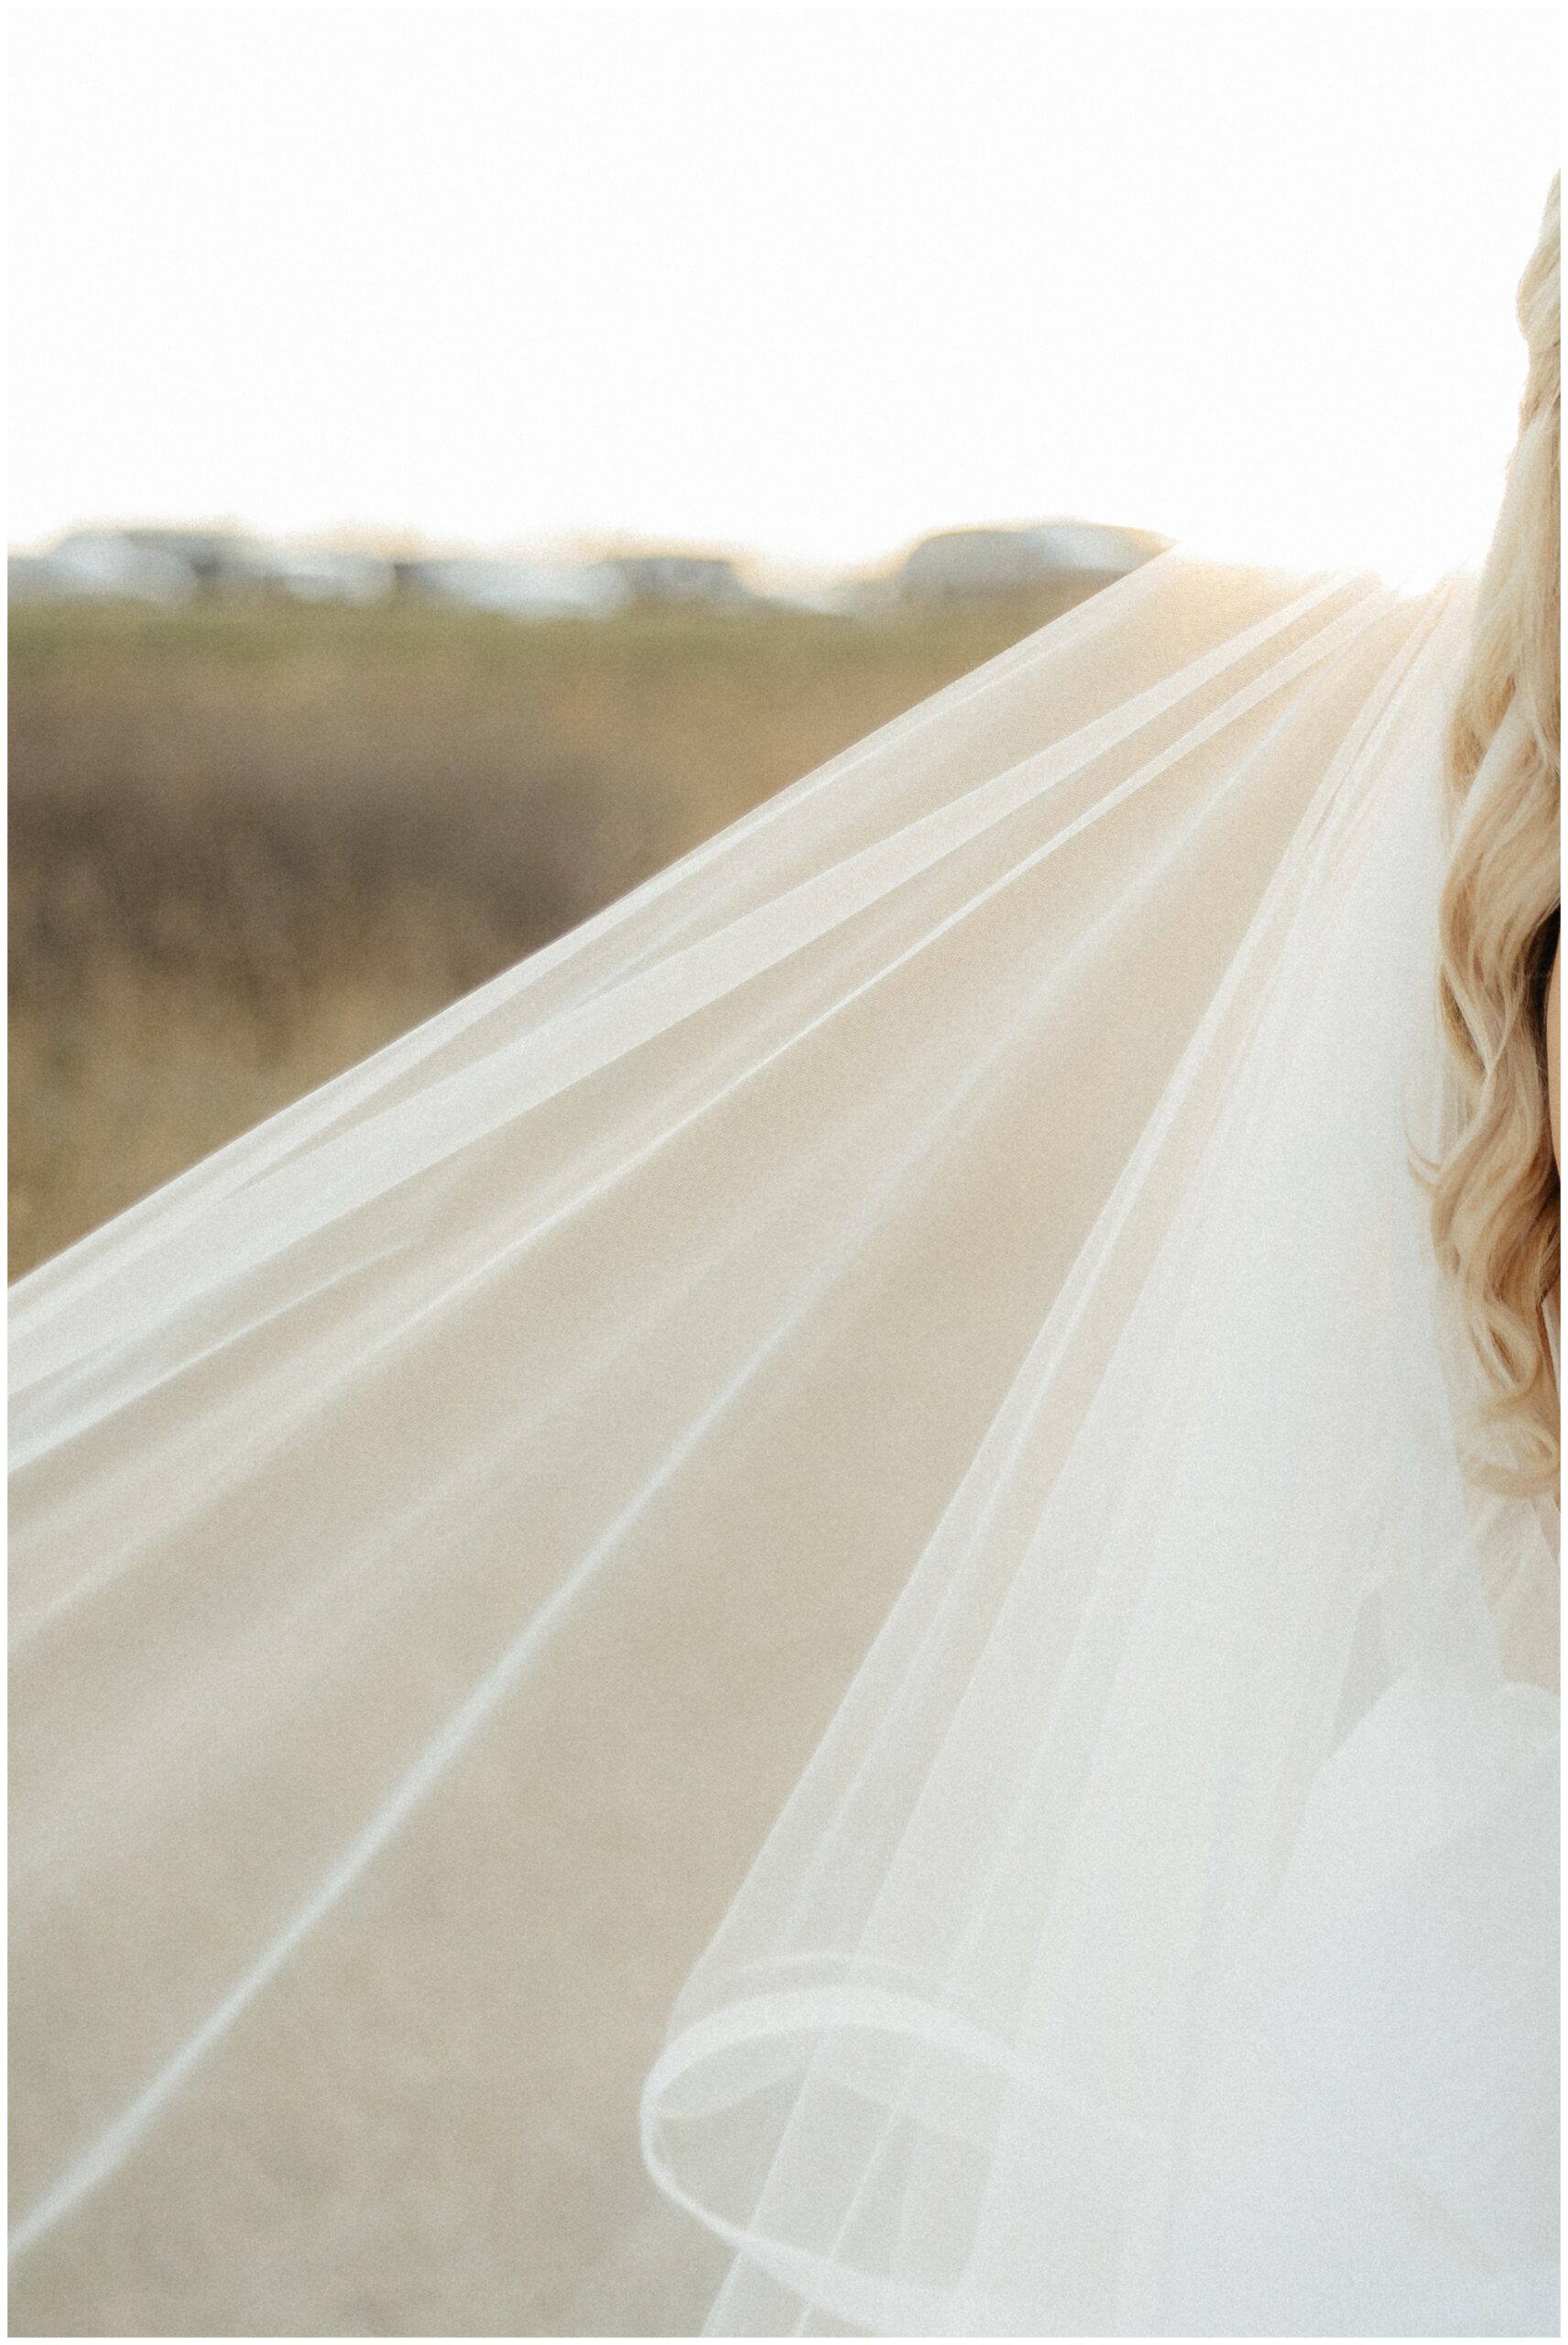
x: 1495, y: 1197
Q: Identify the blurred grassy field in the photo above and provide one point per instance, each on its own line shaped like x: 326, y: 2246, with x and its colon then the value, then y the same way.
x: 252, y: 842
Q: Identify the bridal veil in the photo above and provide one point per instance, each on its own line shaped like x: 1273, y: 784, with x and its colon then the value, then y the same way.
x: 816, y: 1548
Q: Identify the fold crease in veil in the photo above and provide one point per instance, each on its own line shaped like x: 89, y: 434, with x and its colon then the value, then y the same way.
x: 780, y: 1627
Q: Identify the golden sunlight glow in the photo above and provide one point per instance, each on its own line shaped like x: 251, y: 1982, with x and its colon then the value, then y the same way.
x: 809, y: 281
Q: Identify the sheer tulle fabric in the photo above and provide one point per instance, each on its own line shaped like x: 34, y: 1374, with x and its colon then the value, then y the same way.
x: 865, y: 1447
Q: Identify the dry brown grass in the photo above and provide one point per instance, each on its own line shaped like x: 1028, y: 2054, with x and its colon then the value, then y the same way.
x: 250, y: 844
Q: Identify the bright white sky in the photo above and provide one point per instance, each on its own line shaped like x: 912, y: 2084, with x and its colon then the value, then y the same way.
x: 809, y: 280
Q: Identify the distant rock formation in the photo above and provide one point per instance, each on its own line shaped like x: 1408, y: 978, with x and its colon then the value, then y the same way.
x: 494, y: 582
x: 962, y: 562
x: 168, y: 565
x: 93, y: 565
x: 675, y: 578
